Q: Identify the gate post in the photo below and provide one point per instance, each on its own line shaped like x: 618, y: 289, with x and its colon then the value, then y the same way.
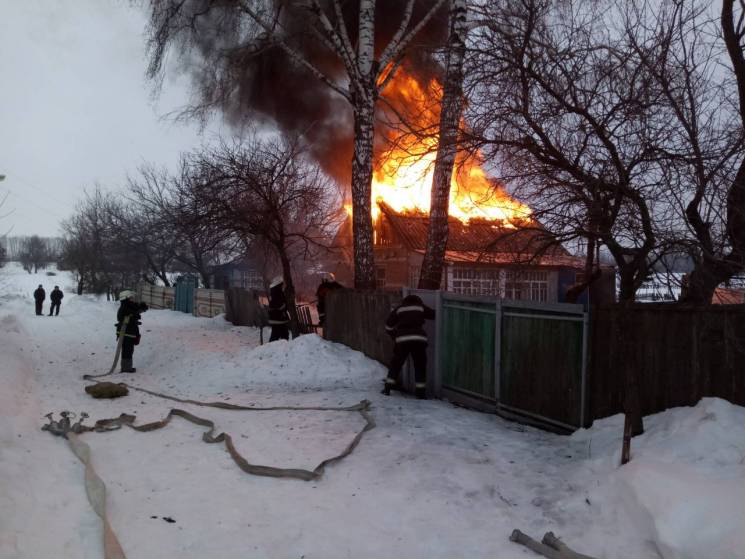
x: 497, y: 349
x: 583, y: 379
x: 437, y: 384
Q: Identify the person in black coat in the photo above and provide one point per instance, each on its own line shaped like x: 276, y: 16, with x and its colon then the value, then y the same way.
x: 405, y: 325
x: 328, y: 283
x: 56, y: 297
x: 279, y: 318
x: 131, y: 332
x: 39, y: 296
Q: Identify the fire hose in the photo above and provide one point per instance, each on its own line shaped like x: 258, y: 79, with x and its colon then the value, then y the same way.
x: 96, y: 489
x: 119, y: 343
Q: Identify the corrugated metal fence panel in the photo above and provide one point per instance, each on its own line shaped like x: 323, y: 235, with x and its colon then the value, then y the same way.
x: 208, y: 302
x: 541, y: 369
x: 467, y: 346
x: 156, y: 296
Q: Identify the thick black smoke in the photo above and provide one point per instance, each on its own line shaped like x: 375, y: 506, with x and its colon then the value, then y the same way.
x: 252, y: 80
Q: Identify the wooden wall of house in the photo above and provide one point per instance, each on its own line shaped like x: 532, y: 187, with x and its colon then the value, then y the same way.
x: 357, y: 320
x: 680, y: 354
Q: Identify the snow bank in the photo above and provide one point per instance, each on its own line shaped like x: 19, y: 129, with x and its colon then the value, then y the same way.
x: 312, y: 362
x: 685, y: 484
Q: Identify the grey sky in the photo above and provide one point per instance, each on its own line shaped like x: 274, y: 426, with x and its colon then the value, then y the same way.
x: 75, y: 109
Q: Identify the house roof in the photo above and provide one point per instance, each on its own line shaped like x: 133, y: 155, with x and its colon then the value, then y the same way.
x: 482, y: 240
x: 724, y: 296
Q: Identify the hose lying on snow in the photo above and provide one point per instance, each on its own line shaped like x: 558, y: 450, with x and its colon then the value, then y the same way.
x: 96, y: 489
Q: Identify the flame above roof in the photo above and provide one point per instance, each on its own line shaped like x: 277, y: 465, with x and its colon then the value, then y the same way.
x: 482, y: 240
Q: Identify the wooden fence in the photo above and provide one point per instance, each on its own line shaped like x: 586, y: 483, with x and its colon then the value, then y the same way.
x: 243, y: 308
x: 680, y: 353
x: 156, y: 296
x: 208, y: 302
x: 357, y: 319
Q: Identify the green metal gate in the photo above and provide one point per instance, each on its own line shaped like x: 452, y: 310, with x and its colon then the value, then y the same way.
x: 468, y: 347
x: 184, y: 301
x: 523, y: 359
x: 542, y: 363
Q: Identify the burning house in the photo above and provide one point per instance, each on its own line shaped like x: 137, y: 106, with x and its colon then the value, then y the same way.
x: 483, y: 257
x: 495, y: 245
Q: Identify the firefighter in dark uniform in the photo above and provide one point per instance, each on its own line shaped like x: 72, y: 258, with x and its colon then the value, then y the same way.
x: 131, y: 332
x: 56, y: 297
x: 328, y: 283
x: 405, y: 325
x: 39, y: 296
x: 278, y: 315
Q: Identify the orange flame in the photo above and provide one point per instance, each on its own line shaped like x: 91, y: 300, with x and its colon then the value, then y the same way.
x: 403, y: 173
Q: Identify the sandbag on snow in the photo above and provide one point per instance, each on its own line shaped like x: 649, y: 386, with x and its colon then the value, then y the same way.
x: 107, y: 390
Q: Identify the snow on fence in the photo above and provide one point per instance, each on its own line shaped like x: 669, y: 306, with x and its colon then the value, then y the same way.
x: 156, y: 296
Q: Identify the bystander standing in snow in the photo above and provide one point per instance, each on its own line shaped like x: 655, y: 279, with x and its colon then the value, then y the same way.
x: 131, y: 332
x: 56, y: 297
x: 39, y: 296
x: 278, y: 316
x: 405, y: 325
x: 328, y: 283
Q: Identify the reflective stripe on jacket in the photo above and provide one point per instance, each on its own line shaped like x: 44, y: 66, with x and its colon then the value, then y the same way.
x: 405, y: 323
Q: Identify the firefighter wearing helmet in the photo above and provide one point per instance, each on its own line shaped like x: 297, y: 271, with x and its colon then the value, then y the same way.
x: 279, y: 318
x: 405, y: 324
x: 128, y: 326
x: 328, y: 283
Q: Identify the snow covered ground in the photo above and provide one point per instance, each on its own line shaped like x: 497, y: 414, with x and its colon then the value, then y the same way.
x: 430, y: 481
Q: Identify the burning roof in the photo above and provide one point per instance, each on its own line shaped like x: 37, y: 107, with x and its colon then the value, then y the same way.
x: 478, y: 240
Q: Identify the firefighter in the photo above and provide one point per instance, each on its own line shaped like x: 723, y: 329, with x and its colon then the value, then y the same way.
x: 39, y: 296
x: 56, y: 297
x: 278, y: 315
x: 131, y: 332
x: 405, y: 325
x: 328, y: 283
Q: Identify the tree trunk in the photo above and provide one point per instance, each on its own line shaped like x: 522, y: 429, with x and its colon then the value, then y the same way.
x: 289, y: 289
x: 624, y: 336
x: 627, y: 287
x: 362, y: 171
x: 450, y: 114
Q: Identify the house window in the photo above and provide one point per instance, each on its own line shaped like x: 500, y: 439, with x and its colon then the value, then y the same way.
x: 527, y: 286
x: 380, y: 277
x: 251, y: 279
x: 475, y: 281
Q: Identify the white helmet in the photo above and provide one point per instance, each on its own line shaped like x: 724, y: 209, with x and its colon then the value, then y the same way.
x: 328, y: 276
x: 126, y: 294
x: 276, y: 281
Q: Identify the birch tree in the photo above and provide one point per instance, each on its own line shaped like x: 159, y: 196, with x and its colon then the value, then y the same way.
x: 450, y: 115
x: 246, y: 27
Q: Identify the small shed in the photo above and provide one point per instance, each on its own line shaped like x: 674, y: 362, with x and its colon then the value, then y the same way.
x: 241, y: 272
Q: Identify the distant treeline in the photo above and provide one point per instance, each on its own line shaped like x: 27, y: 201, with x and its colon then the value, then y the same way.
x: 14, y: 247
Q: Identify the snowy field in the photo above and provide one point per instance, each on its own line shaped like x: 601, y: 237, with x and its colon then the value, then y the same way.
x: 430, y: 481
